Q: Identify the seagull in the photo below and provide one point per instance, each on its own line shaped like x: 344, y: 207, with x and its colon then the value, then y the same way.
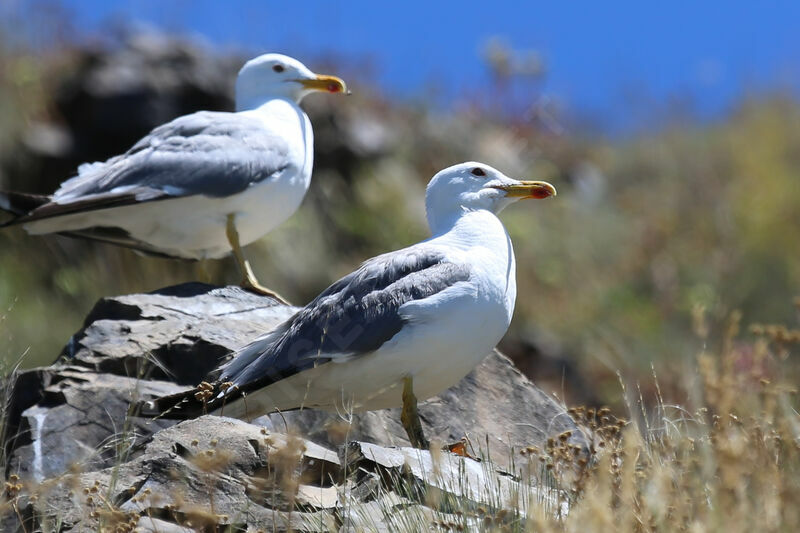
x: 407, y: 324
x: 201, y: 186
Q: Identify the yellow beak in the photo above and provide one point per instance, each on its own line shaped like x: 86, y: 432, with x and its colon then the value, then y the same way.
x: 321, y: 82
x: 528, y: 189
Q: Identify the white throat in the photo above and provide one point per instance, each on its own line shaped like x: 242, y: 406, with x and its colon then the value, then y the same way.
x: 472, y: 228
x: 246, y: 101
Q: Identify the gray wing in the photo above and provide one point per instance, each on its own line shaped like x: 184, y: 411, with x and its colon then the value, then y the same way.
x: 354, y: 316
x: 208, y: 153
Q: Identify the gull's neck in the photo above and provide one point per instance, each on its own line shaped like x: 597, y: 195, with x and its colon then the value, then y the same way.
x: 470, y: 228
x: 250, y: 103
x: 484, y: 242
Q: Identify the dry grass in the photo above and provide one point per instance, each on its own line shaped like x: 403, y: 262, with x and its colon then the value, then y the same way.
x: 728, y: 460
x: 729, y: 463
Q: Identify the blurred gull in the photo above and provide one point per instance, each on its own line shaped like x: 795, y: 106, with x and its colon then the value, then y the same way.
x: 202, y: 185
x: 404, y: 324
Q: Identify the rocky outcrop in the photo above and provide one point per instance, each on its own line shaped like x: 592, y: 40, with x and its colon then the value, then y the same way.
x: 68, y: 428
x: 213, y: 471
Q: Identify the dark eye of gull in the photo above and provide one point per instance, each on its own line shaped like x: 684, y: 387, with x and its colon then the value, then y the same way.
x: 478, y: 171
x: 278, y: 68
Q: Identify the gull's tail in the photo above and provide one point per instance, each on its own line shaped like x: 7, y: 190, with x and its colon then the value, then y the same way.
x: 20, y: 204
x: 178, y: 406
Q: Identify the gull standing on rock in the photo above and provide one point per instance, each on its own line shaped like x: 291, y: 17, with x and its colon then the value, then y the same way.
x: 406, y: 324
x: 202, y: 185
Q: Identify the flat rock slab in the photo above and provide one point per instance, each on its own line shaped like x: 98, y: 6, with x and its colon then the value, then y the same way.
x: 178, y: 334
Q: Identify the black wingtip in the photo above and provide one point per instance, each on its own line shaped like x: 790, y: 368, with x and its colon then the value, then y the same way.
x: 179, y: 406
x: 19, y: 204
x: 200, y: 400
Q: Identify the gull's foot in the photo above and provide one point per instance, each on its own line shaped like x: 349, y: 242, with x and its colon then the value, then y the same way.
x: 256, y: 287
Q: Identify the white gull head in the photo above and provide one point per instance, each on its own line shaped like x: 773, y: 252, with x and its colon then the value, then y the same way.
x: 473, y: 186
x: 271, y: 76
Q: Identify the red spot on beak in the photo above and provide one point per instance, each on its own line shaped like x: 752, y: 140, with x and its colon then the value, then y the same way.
x: 540, y: 194
x: 334, y: 87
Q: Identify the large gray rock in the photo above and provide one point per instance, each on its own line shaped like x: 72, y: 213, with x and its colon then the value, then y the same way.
x: 209, y: 471
x: 73, y: 415
x: 213, y: 471
x: 130, y: 346
x: 144, y: 345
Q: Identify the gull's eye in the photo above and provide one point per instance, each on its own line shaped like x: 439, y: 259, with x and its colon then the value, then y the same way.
x: 478, y: 171
x: 278, y: 68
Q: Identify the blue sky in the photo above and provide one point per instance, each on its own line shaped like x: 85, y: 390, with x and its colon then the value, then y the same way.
x: 607, y: 60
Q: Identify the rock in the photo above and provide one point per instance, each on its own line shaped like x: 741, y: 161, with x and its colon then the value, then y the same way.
x: 70, y: 431
x: 75, y: 410
x: 442, y: 476
x: 147, y: 524
x: 178, y: 334
x: 543, y: 358
x: 81, y: 419
x: 209, y: 471
x: 384, y: 514
x: 216, y: 472
x: 417, y: 486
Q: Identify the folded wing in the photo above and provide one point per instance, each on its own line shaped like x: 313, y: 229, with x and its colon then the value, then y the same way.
x: 206, y: 153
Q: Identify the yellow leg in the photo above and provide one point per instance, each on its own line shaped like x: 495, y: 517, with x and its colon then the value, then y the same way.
x: 410, y: 417
x: 203, y: 272
x: 249, y: 280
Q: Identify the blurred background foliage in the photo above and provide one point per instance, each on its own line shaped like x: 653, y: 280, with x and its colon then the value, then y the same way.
x: 654, y: 239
